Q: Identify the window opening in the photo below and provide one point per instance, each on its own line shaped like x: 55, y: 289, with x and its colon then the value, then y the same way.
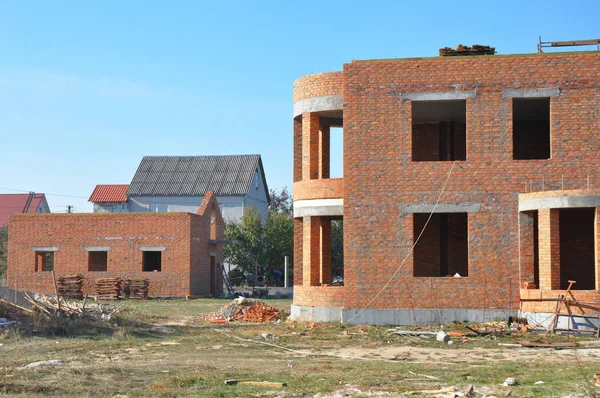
x: 442, y: 250
x: 151, y: 261
x: 44, y: 261
x: 97, y: 261
x: 336, y: 158
x: 439, y: 130
x: 531, y: 128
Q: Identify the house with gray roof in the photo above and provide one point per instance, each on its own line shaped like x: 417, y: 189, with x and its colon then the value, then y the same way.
x: 179, y: 183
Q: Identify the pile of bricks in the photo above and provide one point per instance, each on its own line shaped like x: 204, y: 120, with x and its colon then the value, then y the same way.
x: 466, y: 50
x: 137, y: 288
x: 109, y: 288
x: 70, y: 286
x: 242, y: 309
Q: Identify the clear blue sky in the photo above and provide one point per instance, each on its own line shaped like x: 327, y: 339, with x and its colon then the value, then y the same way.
x: 88, y: 88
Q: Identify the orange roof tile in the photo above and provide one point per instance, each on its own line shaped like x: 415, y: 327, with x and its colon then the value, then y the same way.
x: 109, y: 193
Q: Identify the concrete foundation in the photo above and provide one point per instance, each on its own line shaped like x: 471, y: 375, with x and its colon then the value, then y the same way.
x: 395, y: 317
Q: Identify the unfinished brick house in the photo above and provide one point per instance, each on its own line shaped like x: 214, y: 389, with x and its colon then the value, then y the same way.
x: 178, y: 253
x: 465, y: 179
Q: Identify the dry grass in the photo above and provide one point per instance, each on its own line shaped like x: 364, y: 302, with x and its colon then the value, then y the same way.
x: 164, y: 349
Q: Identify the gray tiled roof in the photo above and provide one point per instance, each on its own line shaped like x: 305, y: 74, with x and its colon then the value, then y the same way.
x: 195, y: 175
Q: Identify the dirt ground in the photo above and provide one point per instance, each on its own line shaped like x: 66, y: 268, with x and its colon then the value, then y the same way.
x: 166, y: 349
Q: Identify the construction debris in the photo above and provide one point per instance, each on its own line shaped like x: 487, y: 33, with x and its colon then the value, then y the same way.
x: 51, y: 307
x: 255, y: 383
x: 461, y: 50
x: 137, y: 288
x: 109, y: 289
x: 71, y: 286
x: 242, y: 309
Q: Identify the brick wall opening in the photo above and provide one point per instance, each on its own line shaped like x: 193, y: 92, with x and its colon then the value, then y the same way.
x: 151, y: 261
x: 439, y: 130
x: 577, y: 258
x: 529, y: 248
x: 337, y: 251
x: 44, y: 261
x: 443, y: 248
x: 336, y: 158
x: 97, y: 261
x: 531, y: 128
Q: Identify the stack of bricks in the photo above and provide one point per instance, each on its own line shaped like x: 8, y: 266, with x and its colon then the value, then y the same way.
x: 476, y: 49
x: 108, y: 289
x: 70, y: 286
x: 136, y: 288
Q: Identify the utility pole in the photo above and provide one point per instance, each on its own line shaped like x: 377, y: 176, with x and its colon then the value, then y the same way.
x: 69, y: 209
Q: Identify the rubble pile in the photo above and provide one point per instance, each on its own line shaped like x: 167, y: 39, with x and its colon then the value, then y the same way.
x: 51, y: 307
x: 243, y: 309
x: 137, y: 288
x: 70, y: 286
x: 109, y: 289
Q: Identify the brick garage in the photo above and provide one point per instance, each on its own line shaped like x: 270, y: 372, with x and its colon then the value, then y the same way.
x: 178, y: 253
x: 512, y: 141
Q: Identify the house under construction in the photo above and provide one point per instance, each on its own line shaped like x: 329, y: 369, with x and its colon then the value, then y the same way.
x: 471, y: 188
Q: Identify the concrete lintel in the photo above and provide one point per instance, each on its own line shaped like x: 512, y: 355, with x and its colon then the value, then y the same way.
x: 559, y: 202
x: 44, y: 248
x: 445, y: 96
x: 322, y: 103
x: 318, y: 207
x: 212, y: 254
x: 96, y: 248
x: 441, y: 208
x: 152, y: 248
x: 532, y: 93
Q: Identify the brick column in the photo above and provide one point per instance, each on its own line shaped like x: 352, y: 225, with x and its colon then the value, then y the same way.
x: 549, y: 249
x: 324, y: 151
x: 325, y: 260
x: 298, y: 251
x: 597, y: 246
x: 311, y: 251
x: 298, y: 150
x: 310, y: 146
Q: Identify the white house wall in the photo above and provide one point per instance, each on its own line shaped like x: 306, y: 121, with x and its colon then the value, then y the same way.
x: 257, y: 196
x: 232, y: 207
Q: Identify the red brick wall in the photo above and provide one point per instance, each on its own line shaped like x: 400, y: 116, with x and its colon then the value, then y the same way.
x: 330, y: 188
x: 379, y: 175
x: 184, y: 235
x: 317, y: 85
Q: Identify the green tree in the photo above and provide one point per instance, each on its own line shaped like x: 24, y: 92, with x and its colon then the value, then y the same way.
x: 258, y: 242
x: 281, y: 202
x: 3, y: 251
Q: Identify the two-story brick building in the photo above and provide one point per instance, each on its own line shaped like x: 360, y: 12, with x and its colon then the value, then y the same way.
x: 464, y: 179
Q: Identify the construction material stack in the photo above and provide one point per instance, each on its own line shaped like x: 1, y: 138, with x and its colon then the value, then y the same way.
x: 461, y: 50
x: 109, y: 288
x: 70, y: 286
x: 137, y: 288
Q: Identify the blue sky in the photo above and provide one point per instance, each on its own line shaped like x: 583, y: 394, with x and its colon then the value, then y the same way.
x: 88, y: 88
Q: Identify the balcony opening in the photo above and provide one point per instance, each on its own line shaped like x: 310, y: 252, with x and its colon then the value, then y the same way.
x: 151, y: 261
x: 97, y: 261
x: 443, y: 249
x: 439, y: 130
x: 529, y: 249
x: 531, y: 128
x: 337, y: 251
x: 577, y: 256
x: 337, y: 152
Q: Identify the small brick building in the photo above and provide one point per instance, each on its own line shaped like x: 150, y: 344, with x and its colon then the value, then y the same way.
x: 465, y: 180
x: 178, y: 253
